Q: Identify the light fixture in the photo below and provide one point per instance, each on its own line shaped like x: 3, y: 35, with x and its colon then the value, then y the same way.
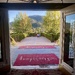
x: 34, y: 1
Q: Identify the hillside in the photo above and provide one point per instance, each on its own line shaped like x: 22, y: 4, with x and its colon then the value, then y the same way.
x: 36, y: 21
x: 38, y: 18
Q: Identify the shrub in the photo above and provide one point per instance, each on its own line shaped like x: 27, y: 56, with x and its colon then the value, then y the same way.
x: 51, y: 37
x: 31, y: 34
x: 17, y: 36
x: 13, y: 42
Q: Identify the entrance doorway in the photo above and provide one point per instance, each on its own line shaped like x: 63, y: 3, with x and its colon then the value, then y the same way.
x: 34, y: 39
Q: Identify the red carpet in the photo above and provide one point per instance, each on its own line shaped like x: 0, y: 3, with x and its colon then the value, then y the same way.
x: 39, y: 46
x: 36, y: 59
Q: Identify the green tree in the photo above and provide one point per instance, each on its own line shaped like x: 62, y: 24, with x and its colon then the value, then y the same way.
x: 51, y: 25
x: 21, y: 26
x: 21, y: 23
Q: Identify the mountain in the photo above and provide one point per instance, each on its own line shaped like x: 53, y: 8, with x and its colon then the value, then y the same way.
x: 36, y: 21
x: 38, y: 18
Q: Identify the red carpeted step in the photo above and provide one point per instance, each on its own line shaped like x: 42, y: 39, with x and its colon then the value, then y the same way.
x: 37, y: 46
x: 36, y: 59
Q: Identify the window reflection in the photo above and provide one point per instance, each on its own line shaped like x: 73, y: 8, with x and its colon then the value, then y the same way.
x: 69, y: 39
x: 70, y: 20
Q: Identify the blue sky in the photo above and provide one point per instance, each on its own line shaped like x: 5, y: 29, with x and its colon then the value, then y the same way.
x: 12, y: 14
x: 70, y: 18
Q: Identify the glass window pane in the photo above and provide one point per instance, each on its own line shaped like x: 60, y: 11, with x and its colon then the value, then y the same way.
x: 69, y: 37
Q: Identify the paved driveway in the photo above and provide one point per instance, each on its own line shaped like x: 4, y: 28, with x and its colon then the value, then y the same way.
x: 33, y: 41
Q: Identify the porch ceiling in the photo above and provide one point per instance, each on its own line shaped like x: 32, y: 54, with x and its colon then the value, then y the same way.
x: 34, y: 6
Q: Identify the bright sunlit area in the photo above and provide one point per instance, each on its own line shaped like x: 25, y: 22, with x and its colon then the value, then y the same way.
x: 34, y: 39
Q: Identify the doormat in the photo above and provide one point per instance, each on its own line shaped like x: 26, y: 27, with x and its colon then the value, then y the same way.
x: 37, y: 46
x: 36, y: 59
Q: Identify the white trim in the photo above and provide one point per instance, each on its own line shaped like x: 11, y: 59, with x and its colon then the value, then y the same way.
x: 67, y: 67
x: 68, y: 10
